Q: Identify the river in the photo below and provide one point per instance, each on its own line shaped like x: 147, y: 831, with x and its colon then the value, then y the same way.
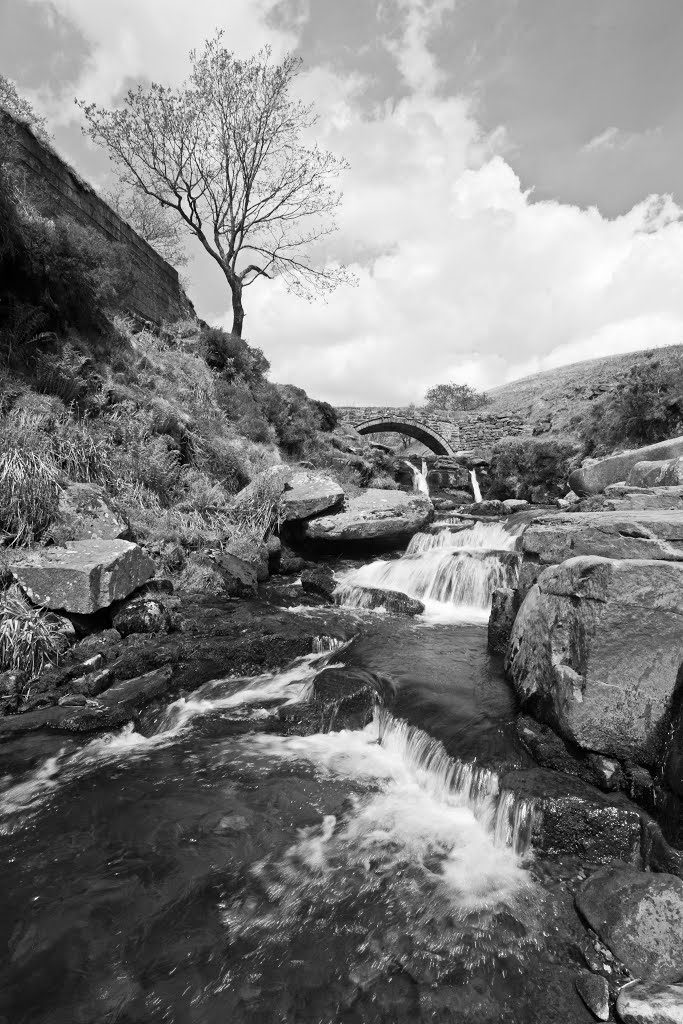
x: 192, y: 875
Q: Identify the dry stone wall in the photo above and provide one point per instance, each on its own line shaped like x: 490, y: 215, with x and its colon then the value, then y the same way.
x: 481, y: 429
x: 476, y: 429
x: 156, y: 294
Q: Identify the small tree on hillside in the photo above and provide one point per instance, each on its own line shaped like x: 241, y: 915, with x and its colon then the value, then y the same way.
x: 152, y: 221
x: 455, y: 397
x: 226, y: 153
x: 21, y: 109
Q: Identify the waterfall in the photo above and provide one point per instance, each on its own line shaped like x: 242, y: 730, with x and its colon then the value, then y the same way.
x: 420, y: 484
x: 453, y: 574
x: 476, y: 490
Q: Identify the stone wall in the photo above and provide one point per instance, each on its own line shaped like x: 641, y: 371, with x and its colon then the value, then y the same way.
x: 156, y: 294
x: 440, y: 423
x: 482, y: 429
x: 476, y: 429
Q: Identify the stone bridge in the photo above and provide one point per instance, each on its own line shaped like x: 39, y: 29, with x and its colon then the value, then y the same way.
x: 433, y: 429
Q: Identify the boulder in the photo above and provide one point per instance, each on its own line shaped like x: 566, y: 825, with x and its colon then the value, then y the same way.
x: 621, y: 497
x: 595, y: 475
x: 143, y: 615
x: 512, y: 505
x: 485, y: 508
x: 307, y: 494
x: 373, y: 517
x: 550, y: 751
x: 341, y: 698
x: 86, y: 512
x: 270, y: 482
x: 594, y: 991
x: 554, y: 538
x: 566, y: 816
x: 375, y: 597
x: 504, y: 607
x: 650, y: 1003
x: 319, y: 581
x: 84, y: 576
x: 274, y: 549
x: 656, y: 474
x: 639, y: 916
x: 596, y: 650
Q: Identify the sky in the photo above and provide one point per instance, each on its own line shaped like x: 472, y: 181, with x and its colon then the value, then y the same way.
x: 514, y: 199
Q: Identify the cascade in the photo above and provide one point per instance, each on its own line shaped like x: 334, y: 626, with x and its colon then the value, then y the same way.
x: 453, y: 573
x: 476, y: 490
x: 420, y: 484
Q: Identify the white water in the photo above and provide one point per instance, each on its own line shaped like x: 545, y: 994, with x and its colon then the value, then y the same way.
x: 476, y: 490
x: 420, y: 484
x: 453, y: 574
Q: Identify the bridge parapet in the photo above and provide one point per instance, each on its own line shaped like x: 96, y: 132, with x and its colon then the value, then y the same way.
x: 437, y: 420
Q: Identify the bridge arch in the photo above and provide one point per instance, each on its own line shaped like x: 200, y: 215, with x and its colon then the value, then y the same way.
x: 411, y: 428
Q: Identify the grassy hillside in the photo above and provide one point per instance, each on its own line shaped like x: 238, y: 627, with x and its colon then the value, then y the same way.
x: 563, y: 401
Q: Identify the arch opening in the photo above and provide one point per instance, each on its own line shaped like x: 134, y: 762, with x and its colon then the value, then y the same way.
x: 428, y: 437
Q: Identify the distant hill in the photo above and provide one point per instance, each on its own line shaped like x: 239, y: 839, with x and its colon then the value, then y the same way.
x: 557, y: 401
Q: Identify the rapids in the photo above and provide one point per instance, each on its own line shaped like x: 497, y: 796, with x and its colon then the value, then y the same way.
x: 203, y: 869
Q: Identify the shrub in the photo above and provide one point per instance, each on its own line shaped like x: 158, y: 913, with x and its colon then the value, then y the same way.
x: 643, y: 408
x: 522, y: 465
x: 29, y: 494
x: 30, y: 638
x: 232, y: 356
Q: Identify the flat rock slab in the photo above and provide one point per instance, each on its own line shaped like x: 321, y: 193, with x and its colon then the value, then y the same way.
x: 307, y: 494
x: 629, y: 534
x: 650, y: 1004
x: 83, y: 576
x: 623, y: 497
x: 373, y: 515
x: 640, y: 917
x: 656, y: 474
x: 596, y: 650
x: 594, y: 476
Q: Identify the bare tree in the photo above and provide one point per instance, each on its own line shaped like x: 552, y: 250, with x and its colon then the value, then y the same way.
x: 152, y: 221
x: 226, y: 152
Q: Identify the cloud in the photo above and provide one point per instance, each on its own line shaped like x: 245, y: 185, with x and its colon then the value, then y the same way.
x: 413, y: 57
x: 618, y: 139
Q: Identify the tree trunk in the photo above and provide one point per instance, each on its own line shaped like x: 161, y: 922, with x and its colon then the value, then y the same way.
x: 237, y: 308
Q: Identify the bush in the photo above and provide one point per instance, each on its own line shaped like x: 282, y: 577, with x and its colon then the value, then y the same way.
x: 29, y: 494
x: 643, y: 408
x: 231, y: 356
x: 30, y: 638
x: 530, y: 467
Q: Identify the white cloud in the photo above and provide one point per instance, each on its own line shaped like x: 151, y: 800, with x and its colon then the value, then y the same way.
x: 619, y: 139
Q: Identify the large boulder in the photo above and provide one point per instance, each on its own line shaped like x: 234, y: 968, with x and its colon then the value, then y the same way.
x: 373, y: 517
x: 650, y: 1003
x: 504, y: 605
x: 597, y: 474
x: 84, y: 576
x: 639, y: 915
x: 596, y: 650
x: 621, y: 497
x: 394, y: 601
x: 307, y: 493
x: 554, y: 538
x: 86, y: 512
x: 656, y: 474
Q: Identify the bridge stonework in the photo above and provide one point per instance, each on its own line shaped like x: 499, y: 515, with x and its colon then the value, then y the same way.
x: 442, y: 432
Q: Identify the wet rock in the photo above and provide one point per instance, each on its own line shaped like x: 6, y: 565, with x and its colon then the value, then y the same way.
x: 485, y: 508
x: 640, y: 917
x: 93, y: 684
x: 512, y: 505
x: 550, y: 751
x: 341, y: 699
x: 86, y: 512
x: 375, y: 597
x: 594, y: 991
x: 595, y: 475
x: 651, y: 1003
x: 504, y: 606
x: 143, y: 615
x: 319, y: 581
x: 290, y: 564
x: 596, y: 649
x: 218, y: 573
x: 657, y: 534
x: 307, y: 494
x: 160, y: 585
x: 374, y: 517
x: 12, y: 684
x: 274, y: 549
x: 572, y: 817
x: 72, y: 700
x: 84, y: 576
x: 661, y: 473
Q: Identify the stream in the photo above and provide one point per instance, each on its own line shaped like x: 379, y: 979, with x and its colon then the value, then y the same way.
x: 190, y: 874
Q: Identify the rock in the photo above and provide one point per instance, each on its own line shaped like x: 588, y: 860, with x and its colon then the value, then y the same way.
x: 461, y: 497
x: 504, y: 607
x: 12, y: 684
x: 640, y: 1003
x: 274, y: 549
x: 73, y: 700
x: 622, y: 497
x: 594, y: 476
x: 444, y: 504
x: 93, y: 684
x: 375, y: 597
x: 640, y: 917
x: 86, y: 512
x: 319, y: 581
x: 485, y: 508
x: 291, y: 565
x: 158, y: 585
x: 218, y: 573
x: 594, y: 991
x: 512, y: 505
x: 271, y: 482
x: 566, y: 816
x: 656, y: 474
x: 84, y: 576
x: 342, y: 698
x: 632, y: 534
x: 550, y: 751
x: 595, y: 653
x: 143, y: 615
x: 308, y: 493
x: 373, y: 517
